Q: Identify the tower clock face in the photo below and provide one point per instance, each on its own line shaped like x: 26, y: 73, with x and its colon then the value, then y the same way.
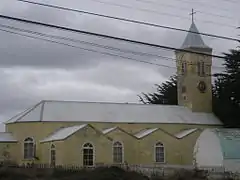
x: 202, y: 86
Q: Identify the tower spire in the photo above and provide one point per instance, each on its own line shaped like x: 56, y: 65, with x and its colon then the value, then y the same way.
x: 192, y: 14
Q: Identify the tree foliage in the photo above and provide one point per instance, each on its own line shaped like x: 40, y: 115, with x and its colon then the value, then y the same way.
x: 166, y: 93
x: 226, y: 91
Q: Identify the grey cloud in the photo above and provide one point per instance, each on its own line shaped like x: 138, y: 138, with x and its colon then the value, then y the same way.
x: 62, y: 56
x: 22, y: 87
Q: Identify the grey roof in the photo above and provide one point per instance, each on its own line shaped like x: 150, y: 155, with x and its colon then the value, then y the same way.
x: 73, y: 111
x: 194, y: 40
x: 63, y: 133
x: 184, y: 133
x: 228, y: 141
x: 145, y: 132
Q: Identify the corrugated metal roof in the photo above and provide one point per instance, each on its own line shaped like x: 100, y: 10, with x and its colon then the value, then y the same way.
x: 145, y: 132
x: 7, y: 137
x: 72, y: 111
x: 63, y: 133
x: 193, y: 40
x: 230, y: 142
x: 184, y: 133
x: 108, y: 130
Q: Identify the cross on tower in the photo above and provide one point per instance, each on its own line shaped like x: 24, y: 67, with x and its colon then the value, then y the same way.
x: 192, y: 14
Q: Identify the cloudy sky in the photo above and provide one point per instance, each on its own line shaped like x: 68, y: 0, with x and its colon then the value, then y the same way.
x: 33, y: 69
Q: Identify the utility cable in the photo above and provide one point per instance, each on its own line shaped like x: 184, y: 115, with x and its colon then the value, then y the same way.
x: 109, y: 54
x: 161, y: 13
x: 93, y: 44
x: 64, y: 28
x: 161, y: 4
x: 203, y: 4
x: 85, y: 49
x: 127, y: 20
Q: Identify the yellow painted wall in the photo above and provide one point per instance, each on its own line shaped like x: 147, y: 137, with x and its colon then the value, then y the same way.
x: 129, y: 145
x: 146, y: 148
x: 10, y: 148
x: 66, y: 155
x: 45, y: 152
x: 187, y: 146
x: 72, y: 147
x: 195, y: 100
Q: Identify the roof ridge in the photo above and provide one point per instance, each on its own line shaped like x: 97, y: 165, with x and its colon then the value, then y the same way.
x: 194, y: 39
x: 69, y: 134
x: 23, y: 113
x: 68, y: 111
x: 105, y: 102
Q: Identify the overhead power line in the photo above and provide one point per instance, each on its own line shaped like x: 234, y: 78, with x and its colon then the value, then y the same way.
x: 204, y: 4
x: 161, y: 13
x: 109, y: 54
x: 86, y: 49
x: 87, y: 43
x: 64, y: 28
x: 128, y: 20
x: 231, y: 1
x: 93, y: 44
x: 161, y: 4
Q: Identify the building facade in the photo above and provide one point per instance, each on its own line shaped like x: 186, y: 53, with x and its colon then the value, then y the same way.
x: 86, y: 134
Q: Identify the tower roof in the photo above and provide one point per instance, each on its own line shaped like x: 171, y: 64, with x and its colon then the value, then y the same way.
x: 194, y: 40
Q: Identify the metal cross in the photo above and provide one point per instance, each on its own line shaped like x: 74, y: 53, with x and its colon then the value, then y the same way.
x: 192, y: 14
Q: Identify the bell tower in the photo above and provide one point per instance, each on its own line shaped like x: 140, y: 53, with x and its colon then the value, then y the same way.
x: 194, y: 73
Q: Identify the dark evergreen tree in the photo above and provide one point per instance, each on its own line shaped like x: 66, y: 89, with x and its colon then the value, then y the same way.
x: 166, y: 93
x: 226, y: 91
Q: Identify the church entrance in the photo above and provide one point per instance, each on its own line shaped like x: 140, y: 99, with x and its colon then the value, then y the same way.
x: 88, y: 154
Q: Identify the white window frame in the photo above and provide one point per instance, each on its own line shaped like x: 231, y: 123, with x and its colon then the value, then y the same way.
x: 113, y: 146
x: 201, y: 70
x: 50, y: 153
x: 25, y: 141
x: 164, y: 152
x: 184, y: 67
x: 93, y: 148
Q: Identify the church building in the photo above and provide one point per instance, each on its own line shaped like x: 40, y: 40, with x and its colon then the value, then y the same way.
x: 92, y: 133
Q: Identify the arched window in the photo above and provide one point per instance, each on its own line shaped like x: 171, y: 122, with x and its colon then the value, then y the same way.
x: 159, y: 153
x: 29, y: 148
x: 53, y: 155
x: 200, y: 68
x: 88, y: 154
x: 117, y: 152
x: 184, y: 67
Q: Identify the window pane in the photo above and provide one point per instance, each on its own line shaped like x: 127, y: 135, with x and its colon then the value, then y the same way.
x: 198, y: 68
x: 87, y: 157
x: 202, y: 68
x: 159, y: 154
x: 117, y: 154
x: 29, y: 150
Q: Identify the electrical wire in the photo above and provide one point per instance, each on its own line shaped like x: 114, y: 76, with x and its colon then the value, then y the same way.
x: 185, y: 9
x: 87, y: 43
x: 85, y: 49
x: 64, y: 28
x: 56, y: 42
x: 127, y: 20
x: 94, y: 44
x: 162, y: 13
x: 204, y: 5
